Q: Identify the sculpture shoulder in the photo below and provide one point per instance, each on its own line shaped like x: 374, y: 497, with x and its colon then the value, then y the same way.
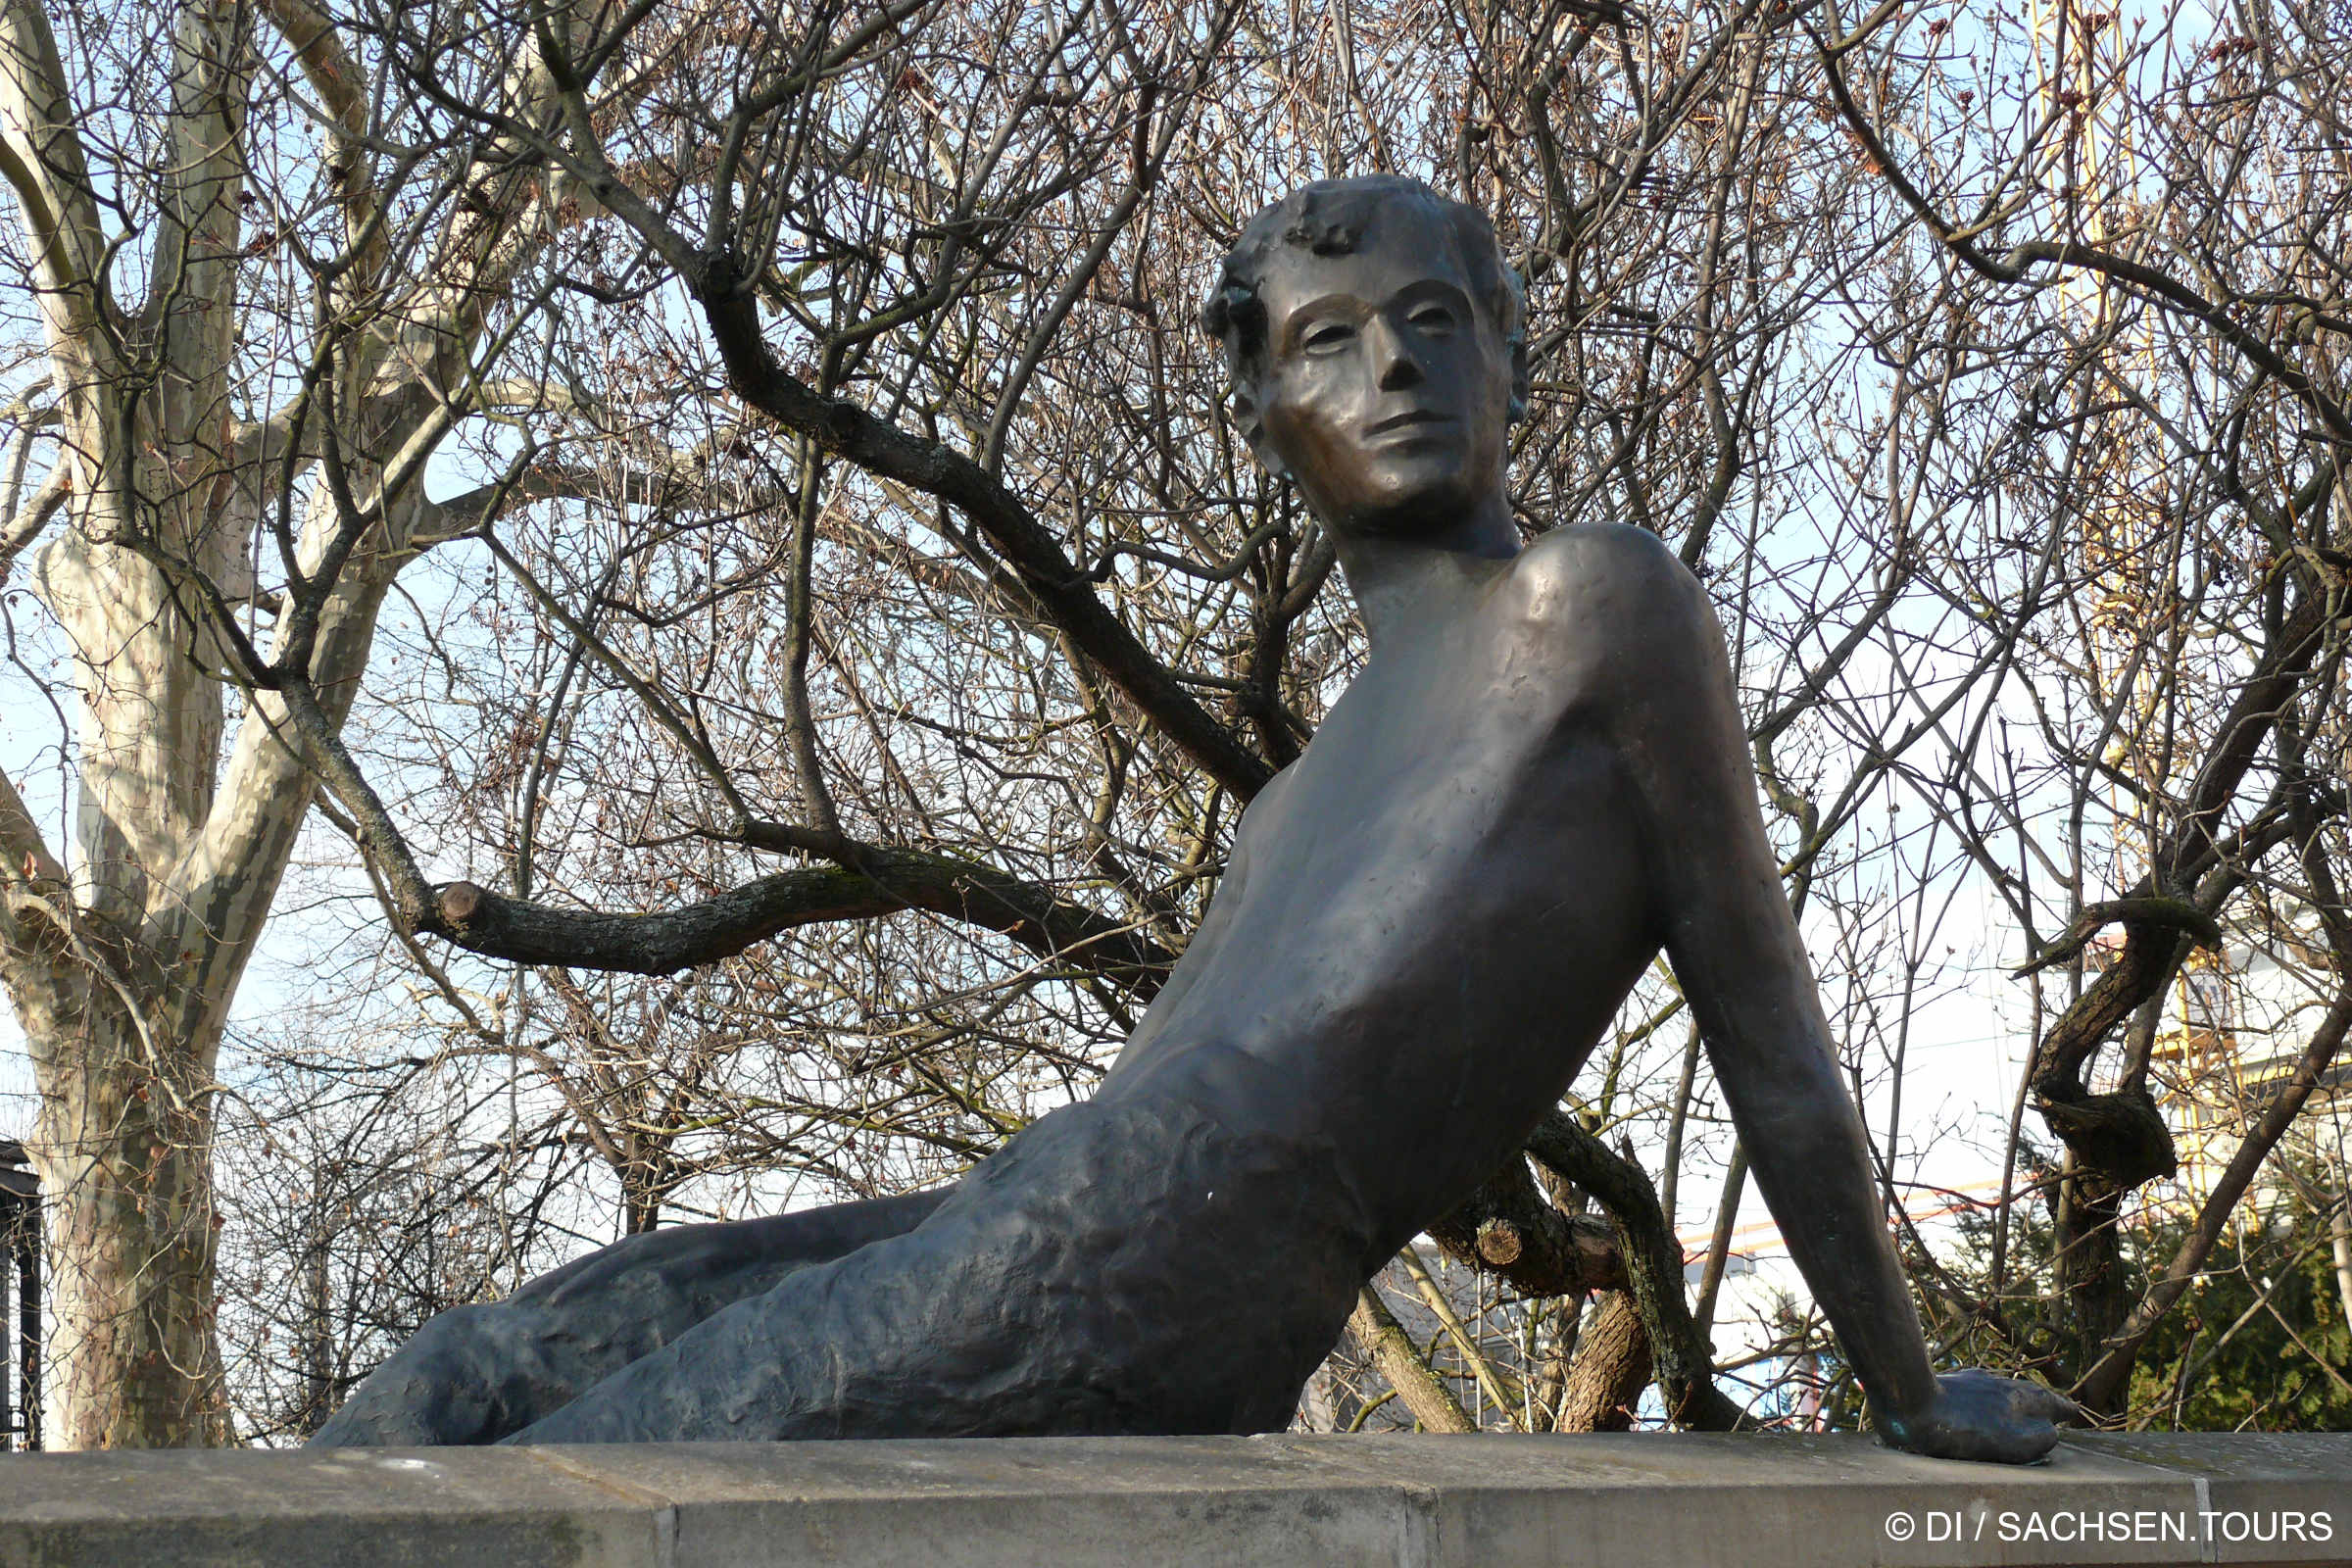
x: 1612, y: 586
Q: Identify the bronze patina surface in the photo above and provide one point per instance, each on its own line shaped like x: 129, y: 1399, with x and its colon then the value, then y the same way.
x: 1539, y: 781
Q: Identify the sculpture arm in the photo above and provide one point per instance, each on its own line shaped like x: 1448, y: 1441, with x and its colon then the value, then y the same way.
x: 1736, y: 950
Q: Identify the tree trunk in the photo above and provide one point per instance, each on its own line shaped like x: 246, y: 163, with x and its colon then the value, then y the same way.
x: 121, y: 969
x: 317, y: 1317
x: 127, y: 1152
x: 2339, y: 1239
x: 1611, y: 1369
x: 122, y: 952
x: 640, y: 1205
x: 2089, y: 1273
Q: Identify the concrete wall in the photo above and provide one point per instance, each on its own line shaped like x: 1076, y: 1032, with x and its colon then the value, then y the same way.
x: 1140, y: 1503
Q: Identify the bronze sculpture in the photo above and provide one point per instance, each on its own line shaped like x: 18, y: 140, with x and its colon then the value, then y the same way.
x: 1538, y: 780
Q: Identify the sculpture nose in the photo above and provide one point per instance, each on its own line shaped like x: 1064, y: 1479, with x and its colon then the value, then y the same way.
x: 1393, y: 358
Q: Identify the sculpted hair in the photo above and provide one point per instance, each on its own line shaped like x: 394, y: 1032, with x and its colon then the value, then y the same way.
x: 1330, y: 218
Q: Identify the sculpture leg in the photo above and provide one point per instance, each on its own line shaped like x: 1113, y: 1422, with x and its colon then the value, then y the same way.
x: 1118, y: 1268
x: 476, y: 1373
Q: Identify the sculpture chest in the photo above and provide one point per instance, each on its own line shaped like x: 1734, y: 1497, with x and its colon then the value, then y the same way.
x: 1436, y: 911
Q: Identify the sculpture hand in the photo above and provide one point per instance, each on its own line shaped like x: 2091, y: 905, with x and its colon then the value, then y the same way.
x: 1980, y: 1415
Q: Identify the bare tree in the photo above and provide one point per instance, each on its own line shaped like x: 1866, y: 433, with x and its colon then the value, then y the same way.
x: 2161, y: 215
x: 264, y: 299
x: 837, y: 633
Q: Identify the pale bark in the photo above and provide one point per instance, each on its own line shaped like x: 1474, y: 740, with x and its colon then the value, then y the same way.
x: 127, y: 1150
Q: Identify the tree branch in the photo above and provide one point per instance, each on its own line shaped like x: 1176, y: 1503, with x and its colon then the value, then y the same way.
x: 342, y: 88
x: 1385, y: 1343
x: 847, y: 430
x: 31, y: 881
x: 2011, y: 267
x: 26, y: 527
x: 2099, y: 1388
x: 2176, y: 915
x: 41, y: 158
x: 2122, y: 1135
x: 875, y: 881
x: 27, y: 853
x: 2251, y: 718
x: 1684, y: 1361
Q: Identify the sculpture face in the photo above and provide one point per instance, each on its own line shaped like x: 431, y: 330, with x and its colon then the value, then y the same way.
x: 1387, y: 391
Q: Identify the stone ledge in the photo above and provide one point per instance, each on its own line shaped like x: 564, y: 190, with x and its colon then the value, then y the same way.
x: 1139, y: 1503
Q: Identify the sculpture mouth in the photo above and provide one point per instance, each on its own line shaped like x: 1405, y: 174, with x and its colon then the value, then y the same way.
x: 1408, y: 421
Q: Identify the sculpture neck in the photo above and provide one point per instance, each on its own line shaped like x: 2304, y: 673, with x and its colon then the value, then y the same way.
x: 1405, y: 581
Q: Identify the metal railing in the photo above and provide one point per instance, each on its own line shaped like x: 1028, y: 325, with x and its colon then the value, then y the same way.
x: 20, y: 1281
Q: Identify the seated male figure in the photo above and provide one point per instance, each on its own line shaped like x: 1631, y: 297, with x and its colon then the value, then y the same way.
x: 1538, y: 780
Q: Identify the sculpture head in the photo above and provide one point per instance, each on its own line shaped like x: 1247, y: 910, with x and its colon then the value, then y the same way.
x: 1375, y: 342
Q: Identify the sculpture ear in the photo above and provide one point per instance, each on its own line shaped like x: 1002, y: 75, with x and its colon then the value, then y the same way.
x: 1246, y: 418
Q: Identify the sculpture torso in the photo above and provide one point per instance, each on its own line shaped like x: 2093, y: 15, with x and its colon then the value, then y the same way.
x: 1435, y: 911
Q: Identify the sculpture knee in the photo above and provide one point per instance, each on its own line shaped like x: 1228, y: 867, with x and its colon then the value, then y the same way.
x: 438, y: 1388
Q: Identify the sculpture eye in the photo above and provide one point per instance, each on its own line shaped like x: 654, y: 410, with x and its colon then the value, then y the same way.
x: 1432, y: 319
x: 1328, y: 337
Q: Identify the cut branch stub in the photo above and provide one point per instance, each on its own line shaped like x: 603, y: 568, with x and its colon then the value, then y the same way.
x: 1499, y: 1242
x: 1507, y: 1228
x: 460, y: 902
